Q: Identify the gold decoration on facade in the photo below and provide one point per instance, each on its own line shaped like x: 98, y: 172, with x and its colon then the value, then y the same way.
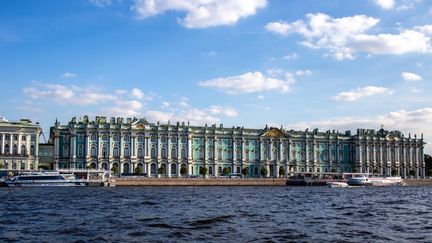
x: 140, y: 126
x: 274, y: 133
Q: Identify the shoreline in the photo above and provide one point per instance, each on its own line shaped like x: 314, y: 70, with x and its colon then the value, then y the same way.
x: 226, y: 182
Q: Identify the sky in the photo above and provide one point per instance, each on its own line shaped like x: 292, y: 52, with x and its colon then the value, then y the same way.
x: 335, y: 64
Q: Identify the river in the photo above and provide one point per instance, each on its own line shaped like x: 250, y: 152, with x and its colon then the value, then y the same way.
x: 208, y: 214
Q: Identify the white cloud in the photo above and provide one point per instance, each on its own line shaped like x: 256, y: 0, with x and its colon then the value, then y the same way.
x: 250, y: 82
x: 416, y: 121
x: 195, y: 116
x: 165, y: 105
x: 290, y: 56
x: 385, y: 4
x: 69, y: 75
x: 137, y: 93
x: 407, y: 76
x: 344, y: 37
x: 200, y: 13
x: 359, y: 93
x: 101, y: 3
x: 260, y: 97
x: 304, y: 72
x: 426, y: 29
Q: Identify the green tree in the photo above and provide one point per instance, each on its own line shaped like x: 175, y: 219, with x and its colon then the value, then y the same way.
x: 203, y: 171
x: 264, y: 171
x: 161, y: 170
x: 354, y: 170
x: 412, y: 173
x: 394, y: 172
x: 1, y: 166
x: 139, y: 170
x: 226, y: 171
x: 245, y: 171
x: 183, y: 170
x: 333, y: 170
x: 115, y: 170
x: 282, y: 172
x: 375, y: 171
x: 428, y: 164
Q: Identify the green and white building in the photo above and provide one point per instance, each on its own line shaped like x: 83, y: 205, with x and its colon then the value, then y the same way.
x: 163, y: 149
x: 19, y: 141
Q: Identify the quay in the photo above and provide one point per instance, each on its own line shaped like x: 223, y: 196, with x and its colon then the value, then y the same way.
x: 200, y: 182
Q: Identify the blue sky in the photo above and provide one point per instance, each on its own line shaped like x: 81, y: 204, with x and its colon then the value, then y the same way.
x: 301, y: 64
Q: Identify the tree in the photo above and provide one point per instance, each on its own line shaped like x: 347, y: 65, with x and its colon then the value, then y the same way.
x: 412, y: 173
x: 264, y: 171
x: 333, y: 170
x: 245, y: 171
x: 282, y: 172
x: 226, y: 171
x: 139, y: 170
x: 354, y: 170
x: 203, y: 171
x: 1, y: 166
x: 115, y: 170
x: 161, y: 170
x: 394, y: 172
x: 375, y: 171
x: 183, y: 170
x: 428, y: 164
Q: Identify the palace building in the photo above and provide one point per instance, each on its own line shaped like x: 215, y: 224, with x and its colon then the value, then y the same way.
x: 19, y: 143
x: 172, y: 150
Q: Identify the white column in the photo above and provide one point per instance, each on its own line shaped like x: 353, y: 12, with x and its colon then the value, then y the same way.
x: 11, y: 144
x: 87, y: 151
x: 121, y: 154
x: 158, y: 147
x: 3, y: 144
x: 19, y: 143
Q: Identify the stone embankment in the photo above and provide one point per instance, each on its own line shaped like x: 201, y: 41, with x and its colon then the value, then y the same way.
x: 418, y: 182
x: 198, y: 182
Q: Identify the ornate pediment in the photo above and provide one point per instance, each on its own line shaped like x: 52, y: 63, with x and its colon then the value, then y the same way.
x: 273, y: 132
x: 140, y: 123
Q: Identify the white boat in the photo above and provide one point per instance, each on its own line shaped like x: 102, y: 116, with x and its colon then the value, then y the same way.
x: 337, y: 184
x: 34, y: 179
x: 374, y: 181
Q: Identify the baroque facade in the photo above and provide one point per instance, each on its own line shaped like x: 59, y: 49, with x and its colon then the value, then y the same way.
x: 163, y: 149
x: 19, y: 143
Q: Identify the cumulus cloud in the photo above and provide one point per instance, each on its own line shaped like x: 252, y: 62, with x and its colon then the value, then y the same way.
x: 69, y: 75
x: 250, y: 82
x: 305, y: 72
x: 137, y: 93
x: 407, y: 76
x: 290, y: 56
x: 346, y: 36
x: 385, y: 4
x: 359, y: 93
x: 415, y: 121
x: 200, y: 13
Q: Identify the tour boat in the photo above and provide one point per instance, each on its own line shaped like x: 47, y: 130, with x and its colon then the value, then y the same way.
x: 337, y: 184
x: 374, y: 181
x: 44, y: 179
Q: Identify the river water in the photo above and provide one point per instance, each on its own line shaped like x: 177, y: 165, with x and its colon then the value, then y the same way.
x: 207, y: 214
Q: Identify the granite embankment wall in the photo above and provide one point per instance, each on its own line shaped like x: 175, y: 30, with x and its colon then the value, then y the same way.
x: 418, y: 182
x: 198, y: 182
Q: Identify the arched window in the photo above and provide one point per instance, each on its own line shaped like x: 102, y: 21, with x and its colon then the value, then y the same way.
x: 201, y: 153
x: 173, y: 169
x: 93, y: 136
x: 210, y: 170
x: 210, y: 152
x: 219, y: 170
x: 183, y: 154
x: 247, y: 155
x: 153, y: 169
x: 6, y: 147
x: 93, y: 152
x: 257, y: 154
x: 173, y: 153
x: 65, y: 150
x: 22, y: 166
x: 105, y: 137
x: 140, y: 152
x: 80, y: 150
x: 104, y: 152
x: 164, y: 153
x: 32, y: 166
x: 126, y: 137
x: 238, y: 154
x: 126, y: 168
x: 126, y: 152
x: 23, y: 150
x: 153, y: 153
x: 116, y: 152
x: 238, y: 170
x: 15, y: 149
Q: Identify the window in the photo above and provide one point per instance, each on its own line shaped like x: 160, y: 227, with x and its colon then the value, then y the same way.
x: 183, y: 139
x: 6, y: 148
x: 127, y: 138
x: 140, y: 138
x: 239, y: 153
x: 163, y: 138
x: 23, y: 137
x: 173, y: 169
x: 140, y: 152
x: 173, y: 139
x: 173, y: 153
x: 93, y: 152
x: 105, y: 152
x: 22, y: 167
x: 80, y: 150
x: 163, y: 153
x: 65, y: 150
x: 7, y: 137
x: 183, y: 154
x: 153, y: 153
x: 15, y: 149
x: 153, y: 138
x: 210, y: 152
x: 105, y: 137
x: 23, y: 150
x: 201, y: 153
x: 15, y: 137
x: 93, y: 137
x: 116, y: 137
x: 126, y: 152
x: 116, y: 152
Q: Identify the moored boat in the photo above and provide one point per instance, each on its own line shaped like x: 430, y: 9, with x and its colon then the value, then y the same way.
x: 359, y: 181
x: 374, y: 181
x: 337, y: 184
x: 35, y: 179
